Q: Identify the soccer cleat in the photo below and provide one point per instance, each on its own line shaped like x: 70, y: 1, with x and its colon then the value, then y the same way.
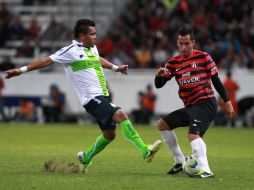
x: 152, y: 150
x: 202, y: 174
x: 84, y: 165
x: 175, y: 169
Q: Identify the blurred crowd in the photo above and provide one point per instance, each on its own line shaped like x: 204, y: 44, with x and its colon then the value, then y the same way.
x: 12, y: 28
x: 144, y: 35
x: 24, y: 37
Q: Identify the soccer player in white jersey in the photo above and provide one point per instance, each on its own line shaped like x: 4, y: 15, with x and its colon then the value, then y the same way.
x: 83, y: 67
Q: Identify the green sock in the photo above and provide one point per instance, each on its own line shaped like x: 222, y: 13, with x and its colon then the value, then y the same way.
x: 132, y: 135
x: 100, y: 143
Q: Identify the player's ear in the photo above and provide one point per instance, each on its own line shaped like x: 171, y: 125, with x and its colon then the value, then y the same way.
x: 194, y: 42
x: 81, y: 36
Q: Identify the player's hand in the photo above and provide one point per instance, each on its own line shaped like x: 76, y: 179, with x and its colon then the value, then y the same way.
x: 12, y: 73
x: 162, y: 72
x: 123, y: 69
x: 229, y: 110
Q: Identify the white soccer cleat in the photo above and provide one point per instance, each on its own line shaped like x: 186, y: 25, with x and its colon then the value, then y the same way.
x: 153, y: 149
x: 83, y: 166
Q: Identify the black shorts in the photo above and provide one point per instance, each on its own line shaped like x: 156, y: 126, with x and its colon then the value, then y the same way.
x: 103, y: 110
x: 198, y: 116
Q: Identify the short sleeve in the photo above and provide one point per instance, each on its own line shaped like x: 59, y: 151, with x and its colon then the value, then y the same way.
x: 63, y: 55
x: 210, y: 65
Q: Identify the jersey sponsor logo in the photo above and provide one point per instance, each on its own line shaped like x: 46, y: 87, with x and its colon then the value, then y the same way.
x: 186, y: 74
x: 189, y: 81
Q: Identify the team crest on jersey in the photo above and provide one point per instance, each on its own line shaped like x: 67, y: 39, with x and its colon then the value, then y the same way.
x: 194, y: 64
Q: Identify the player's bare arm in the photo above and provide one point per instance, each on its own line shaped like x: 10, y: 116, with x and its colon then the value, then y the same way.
x: 120, y: 68
x: 34, y: 65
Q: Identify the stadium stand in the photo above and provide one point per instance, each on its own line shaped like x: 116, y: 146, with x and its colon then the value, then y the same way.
x: 130, y: 30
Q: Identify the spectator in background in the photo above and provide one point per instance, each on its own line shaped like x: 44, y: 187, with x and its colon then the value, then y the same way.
x: 146, y: 109
x: 33, y: 29
x: 143, y: 57
x: 6, y: 64
x: 55, y: 107
x: 231, y: 88
x: 160, y: 55
x: 149, y: 100
x: 25, y: 50
x: 137, y: 114
x: 27, y: 111
x: 16, y: 30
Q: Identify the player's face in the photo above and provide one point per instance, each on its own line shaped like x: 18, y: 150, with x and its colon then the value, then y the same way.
x: 89, y: 39
x: 185, y: 45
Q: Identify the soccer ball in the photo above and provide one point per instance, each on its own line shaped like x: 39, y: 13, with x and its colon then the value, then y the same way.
x: 190, y: 165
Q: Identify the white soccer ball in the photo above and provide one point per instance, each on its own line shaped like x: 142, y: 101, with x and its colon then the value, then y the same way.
x: 190, y: 165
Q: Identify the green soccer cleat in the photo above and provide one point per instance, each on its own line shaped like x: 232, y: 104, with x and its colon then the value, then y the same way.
x: 152, y: 150
x: 83, y: 164
x: 202, y: 174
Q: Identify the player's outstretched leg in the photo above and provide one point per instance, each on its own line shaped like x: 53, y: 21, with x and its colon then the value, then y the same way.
x: 148, y: 151
x: 86, y: 157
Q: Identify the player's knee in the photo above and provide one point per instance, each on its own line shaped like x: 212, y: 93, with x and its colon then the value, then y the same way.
x: 192, y: 137
x: 109, y: 134
x: 162, y: 125
x: 120, y: 116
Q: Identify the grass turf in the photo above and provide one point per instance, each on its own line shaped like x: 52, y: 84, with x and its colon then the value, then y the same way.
x: 25, y: 148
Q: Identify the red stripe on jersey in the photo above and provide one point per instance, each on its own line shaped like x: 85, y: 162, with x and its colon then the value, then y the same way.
x: 184, y: 94
x: 193, y: 97
x: 209, y: 96
x: 188, y: 62
x: 193, y: 74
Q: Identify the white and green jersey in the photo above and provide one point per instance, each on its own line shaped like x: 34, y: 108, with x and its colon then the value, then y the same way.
x: 83, y: 69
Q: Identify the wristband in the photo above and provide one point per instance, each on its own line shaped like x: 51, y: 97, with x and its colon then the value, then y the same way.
x: 23, y: 69
x: 114, y: 67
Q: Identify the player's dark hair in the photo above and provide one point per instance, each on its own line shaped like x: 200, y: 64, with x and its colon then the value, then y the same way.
x: 82, y: 26
x: 186, y: 30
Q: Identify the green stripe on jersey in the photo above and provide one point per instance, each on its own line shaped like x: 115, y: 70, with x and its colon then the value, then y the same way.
x: 91, y: 62
x: 102, y: 80
x: 84, y: 64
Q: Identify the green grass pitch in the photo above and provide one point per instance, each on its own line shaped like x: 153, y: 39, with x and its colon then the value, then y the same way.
x: 25, y: 148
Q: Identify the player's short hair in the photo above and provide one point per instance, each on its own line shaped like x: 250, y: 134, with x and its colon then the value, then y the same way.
x: 82, y: 26
x: 186, y: 30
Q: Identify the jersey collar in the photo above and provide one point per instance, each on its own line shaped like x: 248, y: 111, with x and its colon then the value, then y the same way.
x: 79, y: 44
x: 75, y: 42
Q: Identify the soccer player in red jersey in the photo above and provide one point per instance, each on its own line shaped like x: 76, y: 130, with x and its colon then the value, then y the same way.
x: 193, y: 71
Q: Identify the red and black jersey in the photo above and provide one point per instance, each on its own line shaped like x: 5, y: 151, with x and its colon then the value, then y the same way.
x: 193, y: 76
